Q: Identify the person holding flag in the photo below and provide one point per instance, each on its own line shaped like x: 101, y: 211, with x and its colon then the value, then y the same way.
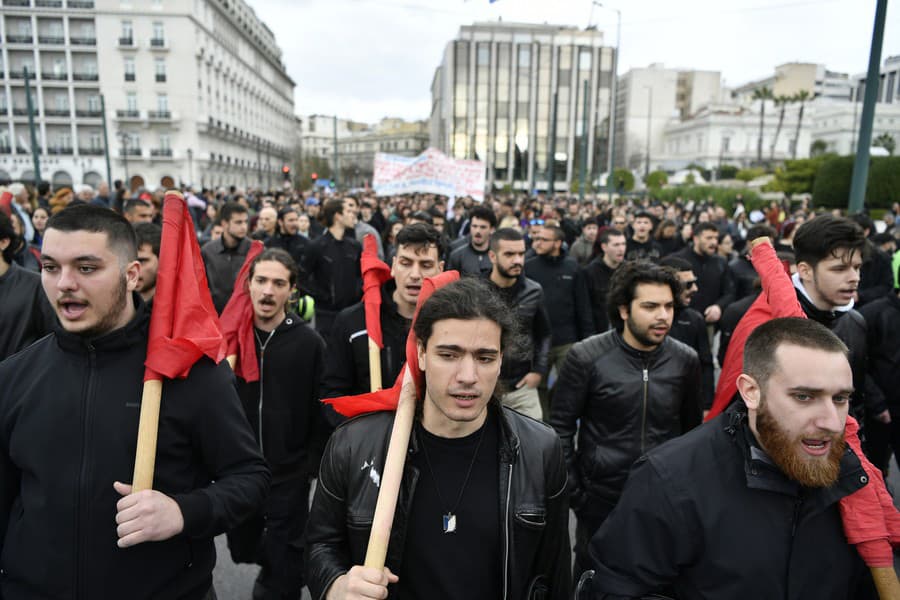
x: 71, y: 526
x: 280, y: 361
x: 482, y: 511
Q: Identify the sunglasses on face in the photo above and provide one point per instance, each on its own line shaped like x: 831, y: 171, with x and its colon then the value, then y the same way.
x: 690, y: 284
x: 536, y: 222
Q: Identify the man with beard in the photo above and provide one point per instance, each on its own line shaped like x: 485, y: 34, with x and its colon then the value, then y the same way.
x: 287, y: 234
x: 713, y: 275
x: 689, y: 327
x: 287, y: 426
x: 521, y: 375
x: 599, y: 271
x: 148, y: 239
x: 419, y: 251
x: 631, y: 388
x: 472, y: 258
x: 70, y: 407
x: 747, y: 506
x: 225, y: 256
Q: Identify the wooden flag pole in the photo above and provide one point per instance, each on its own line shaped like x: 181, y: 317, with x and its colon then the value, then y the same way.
x: 391, y: 476
x: 145, y: 455
x: 232, y: 360
x: 374, y: 366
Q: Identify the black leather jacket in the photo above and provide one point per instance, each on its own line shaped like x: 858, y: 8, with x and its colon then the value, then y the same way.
x: 536, y: 559
x: 628, y: 402
x: 526, y: 297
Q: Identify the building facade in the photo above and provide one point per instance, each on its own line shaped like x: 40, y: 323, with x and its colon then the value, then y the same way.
x: 194, y: 92
x: 356, y: 151
x: 791, y: 78
x: 837, y: 124
x: 888, y: 84
x: 499, y: 87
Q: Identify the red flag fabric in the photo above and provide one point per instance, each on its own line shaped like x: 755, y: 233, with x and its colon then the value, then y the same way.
x: 387, y: 399
x: 237, y: 321
x: 374, y: 274
x: 183, y: 325
x: 871, y: 522
x: 6, y: 202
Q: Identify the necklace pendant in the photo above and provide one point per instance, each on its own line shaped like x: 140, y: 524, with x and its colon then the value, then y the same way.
x: 449, y: 523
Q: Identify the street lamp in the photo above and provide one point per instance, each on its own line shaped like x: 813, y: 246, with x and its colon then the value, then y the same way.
x: 612, y: 98
x: 123, y: 136
x: 649, y: 122
x: 190, y: 157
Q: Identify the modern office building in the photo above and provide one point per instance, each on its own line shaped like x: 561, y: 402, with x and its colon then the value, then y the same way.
x: 356, y: 152
x: 193, y: 92
x: 497, y: 89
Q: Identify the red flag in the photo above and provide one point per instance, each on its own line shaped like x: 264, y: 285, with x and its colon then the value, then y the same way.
x: 350, y: 406
x: 183, y: 325
x: 6, y: 202
x: 374, y: 274
x: 237, y: 321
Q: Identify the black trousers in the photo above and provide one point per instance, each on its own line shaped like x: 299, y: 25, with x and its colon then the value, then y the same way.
x: 590, y: 518
x: 273, y: 539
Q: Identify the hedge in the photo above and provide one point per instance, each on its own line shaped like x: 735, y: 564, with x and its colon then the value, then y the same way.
x: 832, y: 186
x: 701, y: 193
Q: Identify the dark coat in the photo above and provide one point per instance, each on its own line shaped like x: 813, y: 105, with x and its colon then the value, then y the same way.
x: 565, y: 296
x: 714, y: 280
x: 709, y: 515
x: 222, y: 267
x: 26, y: 314
x: 526, y: 298
x: 330, y: 271
x: 469, y: 261
x: 534, y: 505
x: 689, y: 327
x: 597, y: 275
x: 69, y: 411
x: 883, y: 331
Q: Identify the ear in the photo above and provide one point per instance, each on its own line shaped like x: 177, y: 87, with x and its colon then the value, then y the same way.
x: 492, y: 256
x: 132, y: 273
x: 394, y: 266
x: 805, y: 270
x: 623, y: 312
x: 749, y: 390
x: 440, y: 265
x: 420, y: 354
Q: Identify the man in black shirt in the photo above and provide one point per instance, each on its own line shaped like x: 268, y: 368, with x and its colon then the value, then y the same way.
x: 225, y: 256
x: 483, y: 508
x: 287, y: 236
x: 713, y: 276
x: 472, y: 258
x: 641, y: 246
x: 599, y: 271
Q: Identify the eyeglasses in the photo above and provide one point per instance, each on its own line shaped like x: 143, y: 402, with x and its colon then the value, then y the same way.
x: 536, y: 222
x: 542, y: 239
x: 618, y: 222
x: 691, y: 283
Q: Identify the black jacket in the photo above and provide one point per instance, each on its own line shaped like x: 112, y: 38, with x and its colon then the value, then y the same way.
x: 597, y: 275
x: 649, y: 250
x: 69, y: 413
x: 627, y: 401
x: 534, y: 505
x: 295, y: 245
x: 875, y: 277
x: 283, y: 407
x: 731, y: 316
x: 347, y: 355
x: 330, y: 269
x: 745, y: 278
x: 222, y: 267
x: 469, y: 261
x: 689, y: 327
x: 714, y: 280
x: 710, y: 515
x: 565, y: 296
x: 883, y: 329
x: 25, y: 312
x: 526, y: 298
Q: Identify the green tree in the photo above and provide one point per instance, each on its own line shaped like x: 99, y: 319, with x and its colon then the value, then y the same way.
x: 886, y: 141
x: 802, y: 96
x: 749, y: 174
x: 727, y: 172
x: 657, y: 179
x: 818, y: 148
x: 306, y: 165
x: 623, y: 180
x: 762, y: 94
x: 796, y: 176
x: 781, y: 103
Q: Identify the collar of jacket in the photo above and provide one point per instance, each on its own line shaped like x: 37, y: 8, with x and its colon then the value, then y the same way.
x: 554, y: 259
x: 388, y: 306
x: 763, y: 474
x: 639, y: 354
x: 825, y: 317
x: 509, y: 441
x: 131, y: 334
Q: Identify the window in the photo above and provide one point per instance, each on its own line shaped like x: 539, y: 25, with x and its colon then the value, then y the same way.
x: 95, y: 141
x: 25, y: 28
x: 59, y: 67
x: 524, y: 56
x: 726, y: 141
x: 90, y: 68
x: 160, y: 66
x: 127, y: 37
x: 164, y: 141
x: 63, y: 140
x: 131, y: 102
x: 162, y: 102
x: 129, y: 69
x: 93, y: 103
x: 159, y: 32
x: 62, y: 102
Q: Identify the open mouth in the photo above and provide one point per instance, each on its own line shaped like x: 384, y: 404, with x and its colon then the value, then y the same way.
x: 465, y: 400
x: 816, y: 447
x: 413, y: 290
x: 267, y: 302
x: 72, y: 309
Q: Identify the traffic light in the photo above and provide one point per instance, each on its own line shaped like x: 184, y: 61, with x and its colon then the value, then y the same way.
x: 314, y: 176
x: 286, y: 171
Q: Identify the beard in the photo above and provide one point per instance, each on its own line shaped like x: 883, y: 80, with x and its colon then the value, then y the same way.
x: 642, y: 335
x: 108, y: 322
x: 785, y: 451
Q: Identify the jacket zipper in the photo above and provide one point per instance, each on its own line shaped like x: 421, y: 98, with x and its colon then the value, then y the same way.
x: 262, y: 362
x: 644, y: 411
x: 798, y: 503
x: 506, y: 523
x: 79, y: 538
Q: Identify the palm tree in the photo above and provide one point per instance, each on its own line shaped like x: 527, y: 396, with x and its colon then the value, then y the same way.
x: 802, y: 96
x: 780, y: 101
x: 762, y: 94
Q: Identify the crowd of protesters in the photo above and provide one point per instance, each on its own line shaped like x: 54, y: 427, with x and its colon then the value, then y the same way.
x: 613, y: 319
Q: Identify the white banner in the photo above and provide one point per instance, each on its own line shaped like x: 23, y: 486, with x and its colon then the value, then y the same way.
x: 431, y: 172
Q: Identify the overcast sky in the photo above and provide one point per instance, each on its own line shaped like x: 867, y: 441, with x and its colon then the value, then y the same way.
x: 366, y: 59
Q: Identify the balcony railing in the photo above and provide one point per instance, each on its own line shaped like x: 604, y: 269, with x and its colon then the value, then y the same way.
x: 51, y: 39
x: 83, y: 41
x: 57, y: 112
x: 59, y: 150
x: 167, y: 152
x: 3, y: 111
x: 5, y: 149
x: 86, y: 77
x: 20, y: 112
x: 54, y: 76
x: 16, y: 3
x: 93, y: 114
x: 19, y: 39
x: 128, y: 114
x: 81, y: 4
x: 20, y: 74
x: 48, y: 3
x: 129, y: 151
x: 160, y: 78
x: 123, y: 41
x: 90, y: 151
x: 157, y: 42
x: 159, y: 115
x: 129, y: 76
